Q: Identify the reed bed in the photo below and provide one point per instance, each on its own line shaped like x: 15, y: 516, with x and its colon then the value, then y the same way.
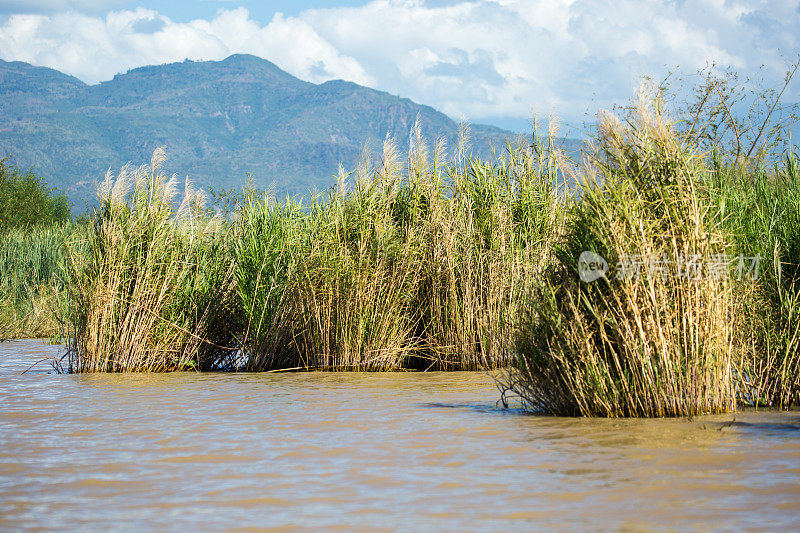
x: 483, y: 239
x: 760, y: 209
x: 418, y: 264
x: 429, y: 260
x: 267, y: 234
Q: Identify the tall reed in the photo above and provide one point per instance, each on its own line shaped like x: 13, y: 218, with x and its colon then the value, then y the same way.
x: 155, y: 290
x: 355, y: 283
x: 484, y: 234
x: 760, y: 208
x: 267, y: 237
x: 420, y: 263
x: 652, y: 337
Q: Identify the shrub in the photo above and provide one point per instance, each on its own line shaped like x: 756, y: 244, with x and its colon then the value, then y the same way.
x: 26, y: 201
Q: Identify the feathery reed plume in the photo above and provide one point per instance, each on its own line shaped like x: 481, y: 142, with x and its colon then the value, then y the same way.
x: 389, y: 173
x: 341, y: 181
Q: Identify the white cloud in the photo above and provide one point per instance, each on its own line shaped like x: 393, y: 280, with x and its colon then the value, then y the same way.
x: 94, y: 48
x: 476, y: 58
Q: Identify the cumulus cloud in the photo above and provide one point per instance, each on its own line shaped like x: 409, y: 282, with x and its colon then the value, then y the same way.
x: 475, y: 58
x: 95, y: 48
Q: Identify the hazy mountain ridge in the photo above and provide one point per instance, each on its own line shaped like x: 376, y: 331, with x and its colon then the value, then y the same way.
x: 218, y: 119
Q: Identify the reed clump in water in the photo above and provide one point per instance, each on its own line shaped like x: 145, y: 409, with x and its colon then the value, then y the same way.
x: 483, y: 238
x: 654, y: 336
x: 355, y: 282
x: 325, y: 287
x: 419, y: 264
x: 154, y: 290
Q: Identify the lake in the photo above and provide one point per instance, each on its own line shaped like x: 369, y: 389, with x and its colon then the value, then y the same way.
x: 358, y: 451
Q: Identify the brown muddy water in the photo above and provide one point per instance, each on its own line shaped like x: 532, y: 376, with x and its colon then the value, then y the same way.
x: 406, y: 451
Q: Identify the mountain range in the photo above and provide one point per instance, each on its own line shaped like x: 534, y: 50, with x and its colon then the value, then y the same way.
x: 219, y: 121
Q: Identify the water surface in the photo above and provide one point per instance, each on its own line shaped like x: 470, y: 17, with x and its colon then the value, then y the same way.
x: 407, y: 451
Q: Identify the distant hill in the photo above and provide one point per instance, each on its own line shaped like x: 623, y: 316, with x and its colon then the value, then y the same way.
x: 218, y: 119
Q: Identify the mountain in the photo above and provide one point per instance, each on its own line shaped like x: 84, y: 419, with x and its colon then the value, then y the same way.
x: 218, y: 119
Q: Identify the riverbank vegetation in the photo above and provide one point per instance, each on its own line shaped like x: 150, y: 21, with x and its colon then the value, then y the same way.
x: 35, y: 222
x: 433, y: 260
x: 698, y: 309
x: 32, y: 282
x: 649, y: 337
x: 417, y: 263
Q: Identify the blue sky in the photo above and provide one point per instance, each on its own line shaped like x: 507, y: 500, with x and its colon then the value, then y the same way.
x: 176, y: 10
x: 496, y: 61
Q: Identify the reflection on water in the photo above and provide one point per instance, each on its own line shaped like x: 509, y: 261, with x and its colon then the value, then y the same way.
x: 363, y: 451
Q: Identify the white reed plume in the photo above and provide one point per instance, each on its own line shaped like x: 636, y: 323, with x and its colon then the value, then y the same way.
x: 341, y: 181
x: 439, y: 159
x: 390, y: 164
x: 188, y: 197
x: 170, y: 191
x: 364, y: 169
x: 611, y: 134
x: 158, y: 159
x: 122, y: 185
x: 214, y: 224
x: 417, y: 150
x: 104, y: 188
x: 463, y: 142
x: 140, y: 177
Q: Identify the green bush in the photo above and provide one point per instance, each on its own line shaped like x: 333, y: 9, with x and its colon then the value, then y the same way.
x: 26, y: 201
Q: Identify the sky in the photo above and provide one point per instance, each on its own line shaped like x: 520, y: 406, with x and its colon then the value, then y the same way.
x: 491, y: 61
